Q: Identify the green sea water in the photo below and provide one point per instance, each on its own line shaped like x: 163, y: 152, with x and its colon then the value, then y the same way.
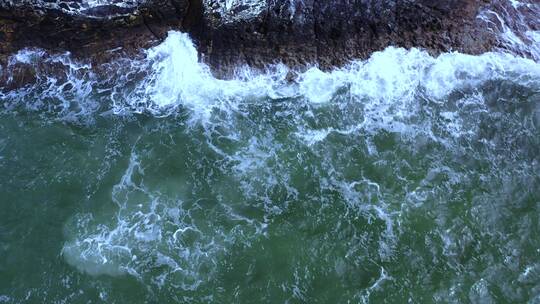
x: 366, y: 197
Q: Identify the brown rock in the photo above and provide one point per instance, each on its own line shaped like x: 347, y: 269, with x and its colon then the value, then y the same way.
x: 327, y: 33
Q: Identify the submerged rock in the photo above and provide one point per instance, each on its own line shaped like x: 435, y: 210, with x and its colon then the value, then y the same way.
x: 259, y: 32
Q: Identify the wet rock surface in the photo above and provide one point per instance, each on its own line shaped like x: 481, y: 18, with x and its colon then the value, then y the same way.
x: 331, y: 33
x: 257, y: 32
x: 87, y: 28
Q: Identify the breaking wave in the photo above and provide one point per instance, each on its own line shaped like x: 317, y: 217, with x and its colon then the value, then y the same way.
x: 171, y: 79
x: 343, y: 146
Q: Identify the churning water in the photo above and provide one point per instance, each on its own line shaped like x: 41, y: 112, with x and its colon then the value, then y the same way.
x: 404, y: 177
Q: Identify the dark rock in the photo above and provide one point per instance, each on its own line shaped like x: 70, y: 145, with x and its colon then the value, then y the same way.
x: 88, y: 32
x: 331, y: 33
x: 259, y: 32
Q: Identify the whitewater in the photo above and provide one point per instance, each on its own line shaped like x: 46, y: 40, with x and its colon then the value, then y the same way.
x: 402, y: 177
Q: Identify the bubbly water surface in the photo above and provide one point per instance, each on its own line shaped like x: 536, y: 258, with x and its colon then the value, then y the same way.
x: 404, y: 177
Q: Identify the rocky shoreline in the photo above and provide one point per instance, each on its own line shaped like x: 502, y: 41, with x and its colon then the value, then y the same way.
x: 229, y: 33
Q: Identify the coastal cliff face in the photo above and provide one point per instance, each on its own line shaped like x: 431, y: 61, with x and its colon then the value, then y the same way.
x: 259, y: 32
x: 330, y: 33
x: 333, y: 32
x: 89, y: 28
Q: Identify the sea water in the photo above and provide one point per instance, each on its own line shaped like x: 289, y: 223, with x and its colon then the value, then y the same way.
x: 403, y: 177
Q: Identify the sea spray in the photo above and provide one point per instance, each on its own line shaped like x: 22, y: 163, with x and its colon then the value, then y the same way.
x: 387, y: 88
x: 171, y: 77
x: 364, y: 183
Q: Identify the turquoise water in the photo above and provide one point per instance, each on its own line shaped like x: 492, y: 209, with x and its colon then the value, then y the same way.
x: 401, y: 178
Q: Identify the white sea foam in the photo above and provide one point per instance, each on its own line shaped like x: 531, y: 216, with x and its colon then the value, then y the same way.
x: 388, y: 81
x: 509, y: 24
x: 178, y: 79
x: 26, y: 56
x: 387, y: 87
x: 172, y: 78
x: 61, y: 85
x: 72, y: 7
x: 159, y: 238
x: 234, y: 10
x: 144, y: 230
